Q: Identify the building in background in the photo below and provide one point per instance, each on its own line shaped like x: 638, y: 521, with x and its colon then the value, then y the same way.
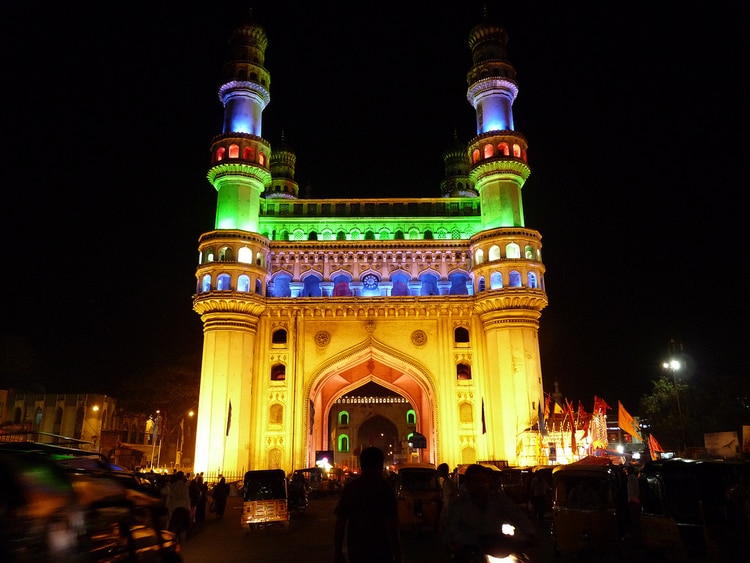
x: 304, y: 302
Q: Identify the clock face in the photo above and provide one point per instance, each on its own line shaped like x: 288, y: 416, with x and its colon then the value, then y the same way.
x: 370, y: 281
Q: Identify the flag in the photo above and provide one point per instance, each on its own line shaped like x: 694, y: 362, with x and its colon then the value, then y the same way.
x: 229, y: 417
x: 542, y: 427
x: 484, y: 424
x: 600, y: 406
x: 546, y: 406
x: 654, y: 447
x: 569, y: 407
x: 626, y: 422
x: 582, y: 415
x: 558, y: 408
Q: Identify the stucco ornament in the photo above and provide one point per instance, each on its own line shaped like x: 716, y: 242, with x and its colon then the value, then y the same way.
x: 419, y: 338
x: 322, y: 338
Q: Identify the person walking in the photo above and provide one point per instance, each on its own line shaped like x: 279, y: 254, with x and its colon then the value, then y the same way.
x: 179, y: 506
x: 367, y: 515
x: 220, y: 495
x: 449, y: 491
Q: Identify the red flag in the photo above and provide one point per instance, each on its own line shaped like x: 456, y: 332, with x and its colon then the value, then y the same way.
x: 600, y: 405
x: 546, y: 406
x: 654, y: 447
x: 626, y: 422
x: 582, y: 415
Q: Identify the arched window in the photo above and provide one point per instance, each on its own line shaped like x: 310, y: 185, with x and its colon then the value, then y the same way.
x: 278, y: 336
x: 245, y: 255
x: 259, y: 259
x: 479, y: 256
x: 281, y: 286
x: 512, y: 251
x: 460, y: 334
x: 411, y: 417
x: 489, y: 151
x: 428, y: 235
x: 343, y: 443
x: 224, y: 282
x: 532, y: 281
x: 312, y: 235
x: 369, y: 235
x: 516, y: 150
x: 278, y: 372
x: 311, y: 287
x: 343, y: 418
x: 494, y: 253
x: 480, y: 284
x: 341, y: 286
x: 475, y: 156
x: 458, y: 284
x: 248, y: 154
x: 463, y: 372
x: 529, y: 252
x: 220, y: 154
x: 504, y: 149
x: 514, y: 279
x: 496, y: 280
x: 429, y: 284
x: 58, y: 421
x: 261, y: 159
x: 206, y: 283
x: 341, y: 235
x: 209, y: 255
x: 234, y: 151
x: 226, y: 254
x: 243, y: 283
x: 399, y: 235
x: 384, y: 234
x: 258, y: 288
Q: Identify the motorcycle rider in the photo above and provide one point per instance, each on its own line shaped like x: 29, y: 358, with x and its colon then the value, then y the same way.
x: 479, y: 512
x: 298, y: 492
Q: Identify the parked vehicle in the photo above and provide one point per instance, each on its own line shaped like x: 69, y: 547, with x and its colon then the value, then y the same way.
x: 265, y: 499
x: 588, y: 507
x: 72, y: 506
x: 418, y: 496
x: 298, y: 492
x: 319, y: 482
x: 696, y: 509
x: 458, y: 474
x: 515, y: 482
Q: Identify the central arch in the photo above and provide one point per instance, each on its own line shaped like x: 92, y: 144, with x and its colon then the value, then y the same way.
x: 371, y: 361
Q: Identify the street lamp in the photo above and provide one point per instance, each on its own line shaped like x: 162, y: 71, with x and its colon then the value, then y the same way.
x: 674, y: 366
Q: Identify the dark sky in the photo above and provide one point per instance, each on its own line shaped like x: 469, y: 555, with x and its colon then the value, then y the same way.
x: 637, y: 126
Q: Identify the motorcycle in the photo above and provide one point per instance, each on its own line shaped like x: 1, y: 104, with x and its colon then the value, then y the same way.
x: 501, y: 547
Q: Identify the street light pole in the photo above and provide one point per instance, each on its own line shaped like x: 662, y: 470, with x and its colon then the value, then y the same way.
x: 674, y: 366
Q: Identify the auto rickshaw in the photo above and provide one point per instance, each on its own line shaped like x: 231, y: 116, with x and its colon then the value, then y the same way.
x: 265, y: 499
x: 418, y: 496
x: 319, y: 481
x: 588, y: 508
x: 696, y: 510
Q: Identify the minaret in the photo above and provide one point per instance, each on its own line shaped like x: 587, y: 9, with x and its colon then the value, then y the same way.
x: 498, y: 152
x: 507, y: 269
x: 233, y: 258
x: 456, y: 182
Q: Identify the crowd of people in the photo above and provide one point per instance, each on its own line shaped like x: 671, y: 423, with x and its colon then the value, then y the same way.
x: 188, y: 500
x: 367, y: 516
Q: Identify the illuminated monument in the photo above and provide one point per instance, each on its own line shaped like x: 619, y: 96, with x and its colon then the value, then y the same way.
x: 304, y: 301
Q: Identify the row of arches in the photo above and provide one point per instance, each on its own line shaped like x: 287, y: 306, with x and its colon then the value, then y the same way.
x: 512, y: 252
x: 413, y: 233
x: 369, y: 285
x: 489, y: 150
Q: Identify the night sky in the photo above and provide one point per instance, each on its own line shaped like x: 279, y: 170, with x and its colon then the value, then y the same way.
x: 637, y: 126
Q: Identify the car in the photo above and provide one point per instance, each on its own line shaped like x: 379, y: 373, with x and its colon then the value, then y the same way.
x: 69, y: 506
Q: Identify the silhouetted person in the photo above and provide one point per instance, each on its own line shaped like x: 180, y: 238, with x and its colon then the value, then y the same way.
x: 367, y: 514
x: 220, y: 495
x: 481, y: 510
x: 448, y: 493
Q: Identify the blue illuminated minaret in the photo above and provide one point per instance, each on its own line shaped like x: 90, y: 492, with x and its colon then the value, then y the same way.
x: 498, y: 152
x: 240, y: 156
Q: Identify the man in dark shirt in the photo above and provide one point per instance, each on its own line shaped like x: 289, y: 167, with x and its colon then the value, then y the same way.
x: 367, y: 514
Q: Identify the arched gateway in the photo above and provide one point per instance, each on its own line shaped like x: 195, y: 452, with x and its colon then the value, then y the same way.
x: 307, y: 303
x: 351, y: 372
